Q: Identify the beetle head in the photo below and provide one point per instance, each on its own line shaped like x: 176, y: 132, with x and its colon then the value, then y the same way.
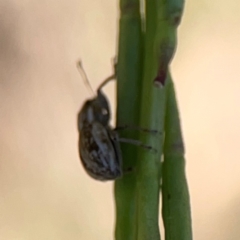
x: 96, y: 109
x: 101, y: 109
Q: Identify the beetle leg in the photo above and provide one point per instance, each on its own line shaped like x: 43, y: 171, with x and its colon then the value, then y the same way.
x: 140, y: 129
x: 136, y: 142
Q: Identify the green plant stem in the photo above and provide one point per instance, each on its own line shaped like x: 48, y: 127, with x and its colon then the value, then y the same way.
x: 169, y: 14
x: 152, y: 117
x: 128, y: 91
x: 142, y: 104
x: 176, y: 203
x: 176, y: 206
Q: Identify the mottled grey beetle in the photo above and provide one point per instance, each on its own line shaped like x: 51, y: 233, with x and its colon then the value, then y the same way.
x: 99, y: 144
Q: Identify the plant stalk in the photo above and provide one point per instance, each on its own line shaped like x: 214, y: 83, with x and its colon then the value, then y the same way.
x: 176, y: 203
x: 129, y: 65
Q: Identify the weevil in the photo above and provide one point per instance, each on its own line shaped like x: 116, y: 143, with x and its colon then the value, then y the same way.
x: 99, y: 144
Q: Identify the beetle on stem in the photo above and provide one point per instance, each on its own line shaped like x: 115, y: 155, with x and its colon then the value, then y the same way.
x: 99, y: 143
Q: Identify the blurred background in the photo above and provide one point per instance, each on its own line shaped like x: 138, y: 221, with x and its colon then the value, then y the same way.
x: 44, y: 192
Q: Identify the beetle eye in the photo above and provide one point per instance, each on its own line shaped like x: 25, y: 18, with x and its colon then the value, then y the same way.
x: 104, y: 111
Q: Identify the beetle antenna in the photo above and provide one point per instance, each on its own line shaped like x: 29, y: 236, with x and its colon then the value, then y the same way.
x: 84, y: 76
x: 110, y: 78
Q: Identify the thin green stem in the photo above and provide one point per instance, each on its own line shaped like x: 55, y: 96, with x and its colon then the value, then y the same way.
x: 176, y: 206
x: 169, y: 13
x: 152, y: 116
x: 176, y: 203
x: 128, y: 92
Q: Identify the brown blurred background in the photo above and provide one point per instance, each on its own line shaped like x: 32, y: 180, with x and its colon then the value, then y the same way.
x: 44, y: 192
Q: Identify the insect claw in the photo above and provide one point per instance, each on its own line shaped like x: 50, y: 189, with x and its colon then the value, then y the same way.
x: 149, y: 148
x: 128, y: 170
